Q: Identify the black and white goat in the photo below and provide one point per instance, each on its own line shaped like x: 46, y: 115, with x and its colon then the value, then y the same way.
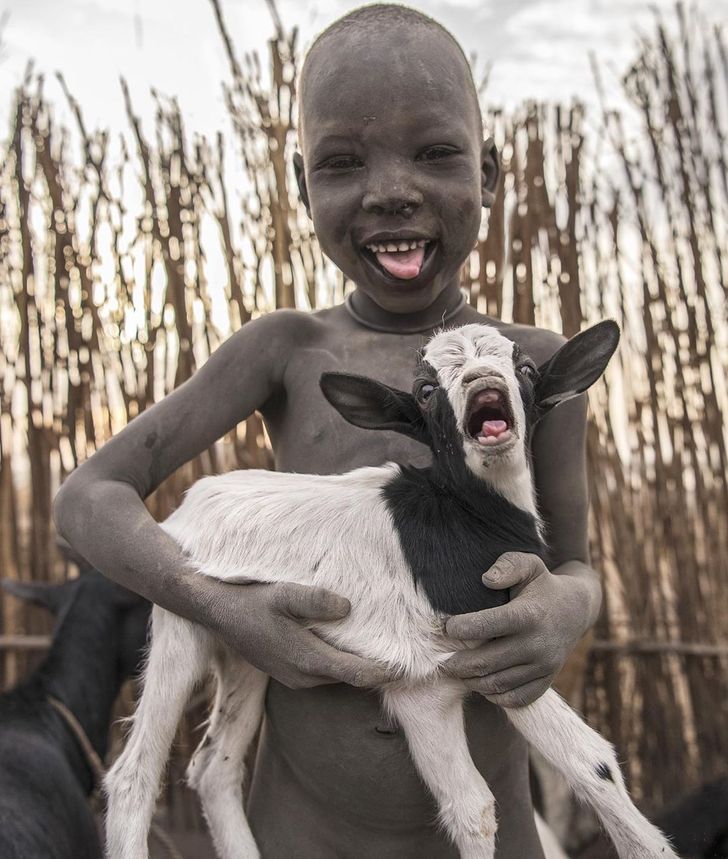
x: 45, y: 776
x: 407, y: 547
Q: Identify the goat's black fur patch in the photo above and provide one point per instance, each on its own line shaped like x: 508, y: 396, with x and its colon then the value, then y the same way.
x: 449, y: 542
x: 603, y: 771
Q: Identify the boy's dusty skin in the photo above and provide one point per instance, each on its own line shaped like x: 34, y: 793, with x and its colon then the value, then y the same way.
x: 392, y: 146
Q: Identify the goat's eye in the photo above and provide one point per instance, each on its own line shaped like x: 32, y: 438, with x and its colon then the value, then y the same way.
x: 424, y: 392
x: 527, y: 370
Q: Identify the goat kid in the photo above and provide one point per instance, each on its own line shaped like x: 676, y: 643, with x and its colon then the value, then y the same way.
x: 407, y: 547
x: 45, y: 778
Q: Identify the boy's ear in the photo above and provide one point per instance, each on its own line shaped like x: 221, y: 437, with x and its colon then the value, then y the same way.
x: 577, y: 365
x: 301, y: 180
x: 373, y: 405
x: 489, y: 172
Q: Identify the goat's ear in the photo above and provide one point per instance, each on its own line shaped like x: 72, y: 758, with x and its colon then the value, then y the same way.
x: 373, y: 405
x: 576, y: 365
x: 51, y: 597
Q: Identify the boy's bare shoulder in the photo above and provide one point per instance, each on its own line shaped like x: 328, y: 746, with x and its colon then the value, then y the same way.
x: 285, y: 325
x: 288, y: 327
x: 271, y: 338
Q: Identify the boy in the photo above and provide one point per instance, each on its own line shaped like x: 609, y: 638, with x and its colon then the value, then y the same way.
x: 394, y: 172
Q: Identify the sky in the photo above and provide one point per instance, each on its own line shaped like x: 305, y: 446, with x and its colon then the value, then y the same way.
x: 538, y: 48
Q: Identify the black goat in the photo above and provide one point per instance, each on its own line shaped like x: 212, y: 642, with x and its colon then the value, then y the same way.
x: 698, y: 823
x: 45, y: 777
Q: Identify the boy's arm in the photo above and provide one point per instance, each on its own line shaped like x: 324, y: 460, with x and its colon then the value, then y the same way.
x: 526, y: 642
x: 100, y: 511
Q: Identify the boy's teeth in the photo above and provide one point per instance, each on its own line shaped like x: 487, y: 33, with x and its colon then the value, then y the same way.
x: 396, y: 247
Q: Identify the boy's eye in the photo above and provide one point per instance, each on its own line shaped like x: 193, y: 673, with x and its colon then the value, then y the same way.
x: 342, y: 162
x: 436, y: 153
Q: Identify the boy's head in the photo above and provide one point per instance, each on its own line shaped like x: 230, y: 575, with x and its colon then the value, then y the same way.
x: 393, y: 154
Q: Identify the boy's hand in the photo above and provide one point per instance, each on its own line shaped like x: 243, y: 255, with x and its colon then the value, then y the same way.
x: 527, y: 641
x: 266, y: 623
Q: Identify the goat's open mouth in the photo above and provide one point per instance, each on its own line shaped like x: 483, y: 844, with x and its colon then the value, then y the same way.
x: 489, y: 418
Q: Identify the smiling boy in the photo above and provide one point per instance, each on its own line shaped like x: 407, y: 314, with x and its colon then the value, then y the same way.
x: 394, y: 171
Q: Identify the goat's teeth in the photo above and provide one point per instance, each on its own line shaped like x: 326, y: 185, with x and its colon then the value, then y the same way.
x: 494, y: 439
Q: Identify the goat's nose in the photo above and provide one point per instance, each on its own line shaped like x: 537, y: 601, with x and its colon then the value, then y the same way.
x: 482, y: 373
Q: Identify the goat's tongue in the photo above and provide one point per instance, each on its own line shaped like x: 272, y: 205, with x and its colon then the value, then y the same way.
x: 402, y: 264
x: 493, y: 428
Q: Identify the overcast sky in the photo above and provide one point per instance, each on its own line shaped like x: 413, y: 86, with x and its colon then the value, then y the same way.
x: 539, y: 48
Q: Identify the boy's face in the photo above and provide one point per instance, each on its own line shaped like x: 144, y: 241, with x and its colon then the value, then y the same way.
x: 393, y: 153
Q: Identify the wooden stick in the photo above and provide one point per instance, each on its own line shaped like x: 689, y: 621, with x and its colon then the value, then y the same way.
x: 24, y: 642
x: 683, y: 648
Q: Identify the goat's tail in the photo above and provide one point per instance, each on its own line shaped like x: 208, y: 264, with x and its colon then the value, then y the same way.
x: 589, y: 765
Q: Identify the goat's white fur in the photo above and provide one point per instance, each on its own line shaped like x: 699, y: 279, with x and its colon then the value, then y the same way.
x: 335, y: 532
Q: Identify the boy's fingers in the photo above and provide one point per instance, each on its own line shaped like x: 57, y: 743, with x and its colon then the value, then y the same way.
x: 523, y: 696
x: 492, y: 658
x: 361, y: 672
x: 506, y: 682
x: 513, y: 568
x: 341, y: 667
x: 491, y: 622
x: 310, y: 603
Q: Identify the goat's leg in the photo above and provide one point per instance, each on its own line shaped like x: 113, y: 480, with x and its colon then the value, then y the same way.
x: 590, y: 767
x: 179, y: 656
x: 432, y: 719
x: 217, y: 768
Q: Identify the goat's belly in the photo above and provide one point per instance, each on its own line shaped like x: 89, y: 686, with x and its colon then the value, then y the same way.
x: 350, y: 790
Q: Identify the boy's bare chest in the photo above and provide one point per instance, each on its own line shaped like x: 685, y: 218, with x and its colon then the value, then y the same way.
x: 309, y: 436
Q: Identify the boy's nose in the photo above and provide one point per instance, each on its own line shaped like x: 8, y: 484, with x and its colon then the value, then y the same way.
x: 391, y: 200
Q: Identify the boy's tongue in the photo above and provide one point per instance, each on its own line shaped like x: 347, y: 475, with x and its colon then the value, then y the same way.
x: 402, y: 264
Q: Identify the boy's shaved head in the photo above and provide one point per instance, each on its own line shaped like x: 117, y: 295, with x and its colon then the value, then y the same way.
x: 367, y: 22
x: 393, y: 168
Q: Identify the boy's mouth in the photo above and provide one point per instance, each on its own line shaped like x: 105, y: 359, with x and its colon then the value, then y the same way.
x: 402, y: 259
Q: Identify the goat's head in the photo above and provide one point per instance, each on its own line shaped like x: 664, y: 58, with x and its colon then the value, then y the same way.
x: 476, y: 396
x: 122, y: 616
